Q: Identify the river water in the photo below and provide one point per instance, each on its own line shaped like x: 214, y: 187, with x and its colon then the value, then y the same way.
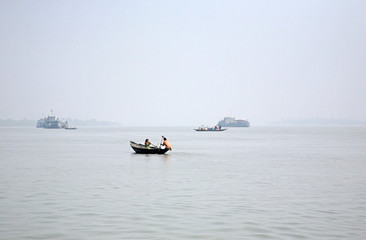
x: 243, y: 183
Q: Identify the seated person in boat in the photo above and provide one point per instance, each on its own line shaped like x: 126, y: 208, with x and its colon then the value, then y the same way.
x: 167, y: 144
x: 147, y: 143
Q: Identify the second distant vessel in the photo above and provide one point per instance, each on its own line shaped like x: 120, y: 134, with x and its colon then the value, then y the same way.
x: 232, y: 122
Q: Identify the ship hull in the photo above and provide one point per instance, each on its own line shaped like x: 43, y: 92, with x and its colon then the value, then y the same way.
x: 209, y: 130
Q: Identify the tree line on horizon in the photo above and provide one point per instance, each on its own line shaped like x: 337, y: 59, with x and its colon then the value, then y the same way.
x: 76, y: 122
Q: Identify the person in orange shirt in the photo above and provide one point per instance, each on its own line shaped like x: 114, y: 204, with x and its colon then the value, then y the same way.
x: 167, y: 144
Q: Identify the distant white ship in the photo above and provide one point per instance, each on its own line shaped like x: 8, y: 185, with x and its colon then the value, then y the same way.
x: 52, y: 122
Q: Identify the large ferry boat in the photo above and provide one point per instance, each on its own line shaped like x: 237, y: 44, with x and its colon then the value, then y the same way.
x: 232, y: 122
x: 51, y: 121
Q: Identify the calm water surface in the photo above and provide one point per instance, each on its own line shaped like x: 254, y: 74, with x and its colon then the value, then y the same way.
x: 252, y: 183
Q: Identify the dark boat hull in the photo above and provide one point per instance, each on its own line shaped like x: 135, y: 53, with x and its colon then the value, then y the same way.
x: 210, y: 130
x: 139, y: 148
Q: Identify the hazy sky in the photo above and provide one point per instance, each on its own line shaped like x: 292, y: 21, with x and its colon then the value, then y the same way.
x: 183, y: 62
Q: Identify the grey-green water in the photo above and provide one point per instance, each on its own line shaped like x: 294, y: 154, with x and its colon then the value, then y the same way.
x: 252, y: 183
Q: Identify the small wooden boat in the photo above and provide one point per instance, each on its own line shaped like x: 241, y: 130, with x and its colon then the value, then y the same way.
x: 141, y: 148
x: 209, y: 130
x: 70, y: 128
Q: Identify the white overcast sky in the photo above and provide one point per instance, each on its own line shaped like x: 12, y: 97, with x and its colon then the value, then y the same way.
x: 157, y: 63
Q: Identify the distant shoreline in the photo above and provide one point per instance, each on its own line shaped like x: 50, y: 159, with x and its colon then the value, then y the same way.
x: 285, y: 122
x: 73, y: 122
x: 318, y: 122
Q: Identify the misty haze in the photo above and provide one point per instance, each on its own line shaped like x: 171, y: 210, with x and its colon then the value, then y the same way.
x: 191, y: 119
x: 161, y: 63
